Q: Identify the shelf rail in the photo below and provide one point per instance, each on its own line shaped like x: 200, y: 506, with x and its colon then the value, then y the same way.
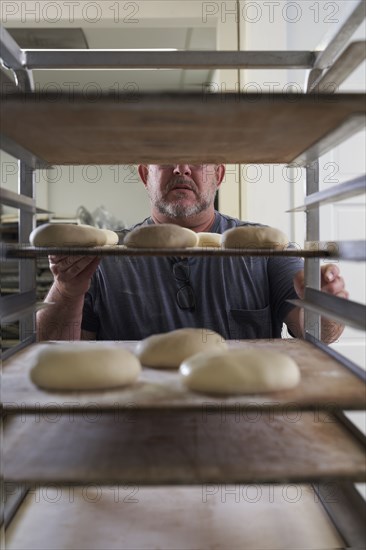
x: 343, y: 67
x: 190, y: 59
x: 346, y: 190
x: 333, y: 44
x: 345, y: 311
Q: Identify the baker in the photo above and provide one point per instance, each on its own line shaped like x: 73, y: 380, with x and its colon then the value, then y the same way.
x: 130, y: 298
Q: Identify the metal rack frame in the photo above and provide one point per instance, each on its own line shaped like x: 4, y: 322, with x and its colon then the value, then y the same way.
x: 329, y: 68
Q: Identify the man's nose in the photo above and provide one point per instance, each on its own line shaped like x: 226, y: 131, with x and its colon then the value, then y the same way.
x: 182, y: 169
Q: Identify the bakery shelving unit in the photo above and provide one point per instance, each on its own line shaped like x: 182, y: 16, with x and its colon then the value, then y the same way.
x: 329, y: 450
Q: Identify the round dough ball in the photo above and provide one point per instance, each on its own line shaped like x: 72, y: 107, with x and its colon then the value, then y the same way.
x: 248, y: 236
x: 84, y: 366
x: 164, y: 235
x: 111, y: 238
x: 68, y: 234
x: 168, y: 350
x: 240, y: 372
x: 209, y: 239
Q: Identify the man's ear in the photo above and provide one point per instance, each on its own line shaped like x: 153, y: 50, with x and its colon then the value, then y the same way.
x: 143, y: 171
x: 220, y: 169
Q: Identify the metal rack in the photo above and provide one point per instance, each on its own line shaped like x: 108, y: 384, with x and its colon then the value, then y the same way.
x: 329, y: 68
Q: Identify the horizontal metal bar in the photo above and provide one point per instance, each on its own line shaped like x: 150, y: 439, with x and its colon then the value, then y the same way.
x: 352, y: 250
x: 17, y: 151
x: 12, y: 56
x: 351, y: 427
x: 352, y: 125
x: 346, y: 63
x: 119, y: 59
x: 13, y: 501
x: 35, y: 252
x: 18, y: 347
x: 347, y: 510
x: 15, y: 306
x: 350, y: 365
x: 327, y: 56
x: 345, y: 311
x: 351, y: 188
x: 17, y: 201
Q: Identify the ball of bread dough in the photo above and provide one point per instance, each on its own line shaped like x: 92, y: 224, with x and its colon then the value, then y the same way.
x: 168, y: 350
x: 248, y: 236
x: 240, y: 372
x: 111, y: 238
x: 164, y: 235
x: 68, y: 234
x: 84, y: 366
x: 209, y: 240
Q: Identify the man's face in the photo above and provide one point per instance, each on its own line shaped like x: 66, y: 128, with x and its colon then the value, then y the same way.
x: 182, y: 190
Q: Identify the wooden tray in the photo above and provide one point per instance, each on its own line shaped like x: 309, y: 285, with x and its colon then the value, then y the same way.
x: 325, y: 384
x: 177, y: 127
x: 166, y: 447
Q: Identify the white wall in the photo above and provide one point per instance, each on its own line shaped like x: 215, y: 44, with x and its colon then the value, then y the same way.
x: 117, y: 188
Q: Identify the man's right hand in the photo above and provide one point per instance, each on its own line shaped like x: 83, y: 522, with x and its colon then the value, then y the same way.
x: 72, y: 274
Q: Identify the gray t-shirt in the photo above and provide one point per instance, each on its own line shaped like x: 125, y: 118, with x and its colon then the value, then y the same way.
x: 131, y: 298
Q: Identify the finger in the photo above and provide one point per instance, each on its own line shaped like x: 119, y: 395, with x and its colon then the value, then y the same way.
x: 329, y: 273
x: 89, y: 270
x: 56, y: 259
x: 67, y: 270
x: 67, y: 258
x: 335, y: 286
x: 62, y: 262
x: 79, y: 264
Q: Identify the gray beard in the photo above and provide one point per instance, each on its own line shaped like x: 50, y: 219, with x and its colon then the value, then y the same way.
x: 177, y: 210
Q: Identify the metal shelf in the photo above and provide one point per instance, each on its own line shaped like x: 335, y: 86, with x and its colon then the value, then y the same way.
x: 16, y: 200
x: 342, y: 250
x: 347, y: 62
x: 345, y: 311
x: 351, y: 188
x: 16, y: 306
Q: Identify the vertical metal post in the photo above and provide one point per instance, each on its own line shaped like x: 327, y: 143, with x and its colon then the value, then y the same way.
x: 312, y: 271
x: 27, y: 268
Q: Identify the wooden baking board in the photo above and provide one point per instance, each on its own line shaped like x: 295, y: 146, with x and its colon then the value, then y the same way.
x: 325, y: 384
x: 167, y: 447
x: 172, y: 518
x: 174, y: 127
